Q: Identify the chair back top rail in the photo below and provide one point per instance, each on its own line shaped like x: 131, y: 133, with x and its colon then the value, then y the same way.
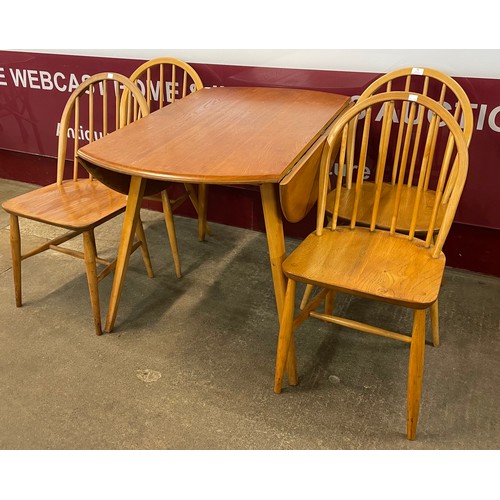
x: 162, y: 81
x: 100, y: 95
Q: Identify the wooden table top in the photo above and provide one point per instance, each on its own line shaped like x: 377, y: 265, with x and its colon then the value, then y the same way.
x: 220, y: 135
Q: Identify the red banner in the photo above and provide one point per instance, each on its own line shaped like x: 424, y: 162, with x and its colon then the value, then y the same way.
x: 34, y: 88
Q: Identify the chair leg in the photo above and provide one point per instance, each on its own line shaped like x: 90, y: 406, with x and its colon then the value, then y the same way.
x: 415, y: 372
x: 89, y: 251
x: 169, y: 222
x: 141, y: 236
x: 285, y: 335
x: 305, y: 297
x: 202, y: 211
x: 15, y: 248
x: 435, y: 324
x: 291, y: 363
x: 330, y: 302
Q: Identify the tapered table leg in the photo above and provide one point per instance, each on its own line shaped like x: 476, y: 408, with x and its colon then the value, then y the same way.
x: 134, y: 201
x: 276, y: 242
x: 277, y: 253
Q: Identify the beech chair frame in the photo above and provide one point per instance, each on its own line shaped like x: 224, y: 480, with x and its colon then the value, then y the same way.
x: 79, y: 204
x: 371, y: 262
x: 448, y: 93
x: 189, y: 81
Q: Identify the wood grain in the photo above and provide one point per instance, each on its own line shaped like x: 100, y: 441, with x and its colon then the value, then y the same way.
x: 362, y: 262
x: 220, y: 135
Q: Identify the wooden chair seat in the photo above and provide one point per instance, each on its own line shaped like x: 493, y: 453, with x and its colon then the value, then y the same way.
x: 385, y: 212
x: 369, y: 264
x: 72, y: 205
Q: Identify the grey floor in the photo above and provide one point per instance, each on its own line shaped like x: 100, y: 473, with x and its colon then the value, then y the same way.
x: 190, y: 363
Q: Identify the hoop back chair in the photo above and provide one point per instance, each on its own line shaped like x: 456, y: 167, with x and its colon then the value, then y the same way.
x: 163, y: 81
x: 371, y: 262
x: 443, y: 89
x: 81, y: 203
x: 447, y: 92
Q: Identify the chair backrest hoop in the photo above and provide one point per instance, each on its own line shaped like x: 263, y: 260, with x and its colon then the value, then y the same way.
x: 174, y: 63
x: 72, y: 105
x: 433, y: 74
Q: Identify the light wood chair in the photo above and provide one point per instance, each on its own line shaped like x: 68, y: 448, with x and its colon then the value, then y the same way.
x: 81, y: 203
x: 378, y: 263
x: 164, y: 81
x: 443, y: 89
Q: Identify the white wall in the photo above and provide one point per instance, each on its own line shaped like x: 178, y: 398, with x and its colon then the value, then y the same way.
x: 443, y: 31
x: 483, y: 63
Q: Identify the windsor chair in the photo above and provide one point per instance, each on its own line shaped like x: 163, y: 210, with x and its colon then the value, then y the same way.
x: 373, y: 262
x: 448, y: 93
x: 81, y: 203
x: 163, y: 81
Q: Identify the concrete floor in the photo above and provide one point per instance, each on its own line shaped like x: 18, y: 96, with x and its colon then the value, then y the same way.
x: 210, y: 337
